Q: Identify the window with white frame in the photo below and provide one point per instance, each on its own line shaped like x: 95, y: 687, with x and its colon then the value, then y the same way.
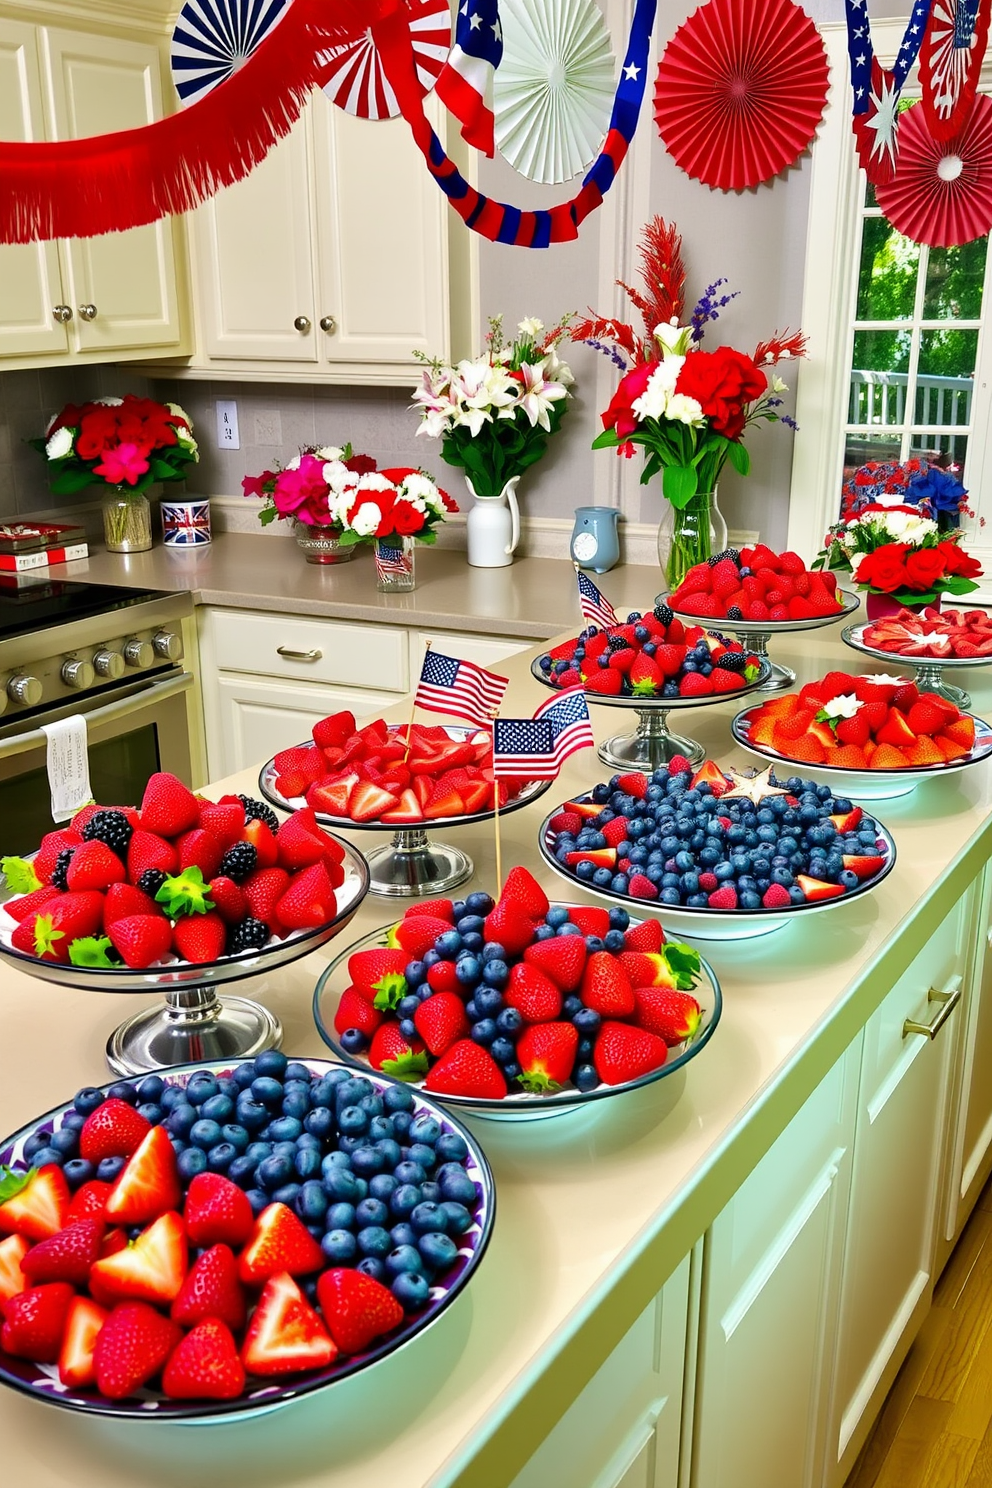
x: 899, y: 365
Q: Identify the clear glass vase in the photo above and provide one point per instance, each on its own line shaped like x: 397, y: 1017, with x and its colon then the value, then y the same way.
x: 321, y: 544
x: 127, y: 521
x: 689, y: 535
x: 395, y: 571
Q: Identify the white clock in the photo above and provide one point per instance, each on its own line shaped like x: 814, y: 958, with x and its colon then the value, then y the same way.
x: 585, y: 547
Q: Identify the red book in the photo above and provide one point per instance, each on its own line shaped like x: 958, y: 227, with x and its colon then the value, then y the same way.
x: 41, y: 558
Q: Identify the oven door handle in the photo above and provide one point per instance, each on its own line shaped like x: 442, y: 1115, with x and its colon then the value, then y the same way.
x: 109, y: 713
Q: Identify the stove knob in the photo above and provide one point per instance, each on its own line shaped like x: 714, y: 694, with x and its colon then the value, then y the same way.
x: 109, y: 664
x: 26, y: 690
x: 168, y: 644
x: 139, y: 653
x: 78, y: 674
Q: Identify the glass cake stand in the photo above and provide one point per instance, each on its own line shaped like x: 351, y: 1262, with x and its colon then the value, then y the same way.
x: 929, y: 669
x: 652, y: 745
x: 411, y: 865
x: 755, y: 634
x: 194, y: 1023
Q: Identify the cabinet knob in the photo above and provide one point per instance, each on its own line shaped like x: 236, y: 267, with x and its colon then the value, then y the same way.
x: 109, y: 664
x: 78, y: 674
x: 88, y: 312
x: 168, y: 644
x: 139, y: 653
x: 328, y: 324
x: 62, y: 313
x: 303, y: 324
x: 26, y: 690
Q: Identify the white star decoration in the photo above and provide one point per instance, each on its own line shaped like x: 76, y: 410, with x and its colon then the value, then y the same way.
x: 632, y: 73
x: 754, y: 787
x: 886, y: 119
x: 475, y: 22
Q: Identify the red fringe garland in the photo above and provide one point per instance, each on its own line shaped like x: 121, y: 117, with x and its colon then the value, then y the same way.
x: 107, y: 183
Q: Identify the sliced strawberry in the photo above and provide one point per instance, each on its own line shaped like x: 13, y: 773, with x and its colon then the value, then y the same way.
x: 34, y: 1322
x: 357, y: 1309
x: 285, y: 1334
x: 33, y: 1204
x: 132, y: 1348
x: 278, y: 1242
x: 262, y: 839
x: 212, y: 1289
x: 367, y: 802
x: 816, y: 889
x: 151, y: 1269
x: 12, y: 1277
x: 77, y: 1356
x: 864, y: 867
x: 149, y: 1184
x: 217, y: 1210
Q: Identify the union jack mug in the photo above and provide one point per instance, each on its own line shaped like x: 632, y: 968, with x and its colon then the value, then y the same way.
x: 186, y: 524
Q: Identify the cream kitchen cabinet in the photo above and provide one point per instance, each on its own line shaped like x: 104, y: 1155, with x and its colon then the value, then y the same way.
x: 87, y: 299
x: 348, y: 272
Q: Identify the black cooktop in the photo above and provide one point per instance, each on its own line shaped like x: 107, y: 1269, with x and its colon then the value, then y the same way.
x: 27, y: 606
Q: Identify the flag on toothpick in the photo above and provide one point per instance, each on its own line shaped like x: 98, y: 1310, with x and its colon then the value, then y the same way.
x: 460, y: 688
x: 465, y: 86
x: 595, y: 609
x: 536, y: 748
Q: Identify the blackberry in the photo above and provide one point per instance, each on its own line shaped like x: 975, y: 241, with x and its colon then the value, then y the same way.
x: 60, y: 872
x: 663, y: 614
x: 617, y: 643
x: 249, y: 935
x: 239, y: 862
x: 730, y: 553
x: 151, y: 881
x: 735, y: 613
x: 733, y: 661
x: 111, y: 828
x: 258, y: 811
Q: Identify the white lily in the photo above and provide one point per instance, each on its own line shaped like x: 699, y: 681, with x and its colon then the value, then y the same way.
x: 538, y: 396
x: 673, y: 338
x: 556, y: 370
x: 531, y: 327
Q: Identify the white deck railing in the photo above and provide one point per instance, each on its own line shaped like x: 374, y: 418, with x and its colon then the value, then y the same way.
x: 878, y: 400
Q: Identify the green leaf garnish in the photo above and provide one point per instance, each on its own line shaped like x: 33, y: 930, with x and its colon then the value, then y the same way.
x: 684, y: 964
x: 20, y: 875
x: 751, y: 672
x: 45, y: 935
x: 536, y: 1082
x: 389, y: 991
x: 93, y: 950
x: 185, y: 893
x: 407, y: 1067
x: 13, y: 1182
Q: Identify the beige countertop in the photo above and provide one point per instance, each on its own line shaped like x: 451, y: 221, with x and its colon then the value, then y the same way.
x: 595, y: 1209
x: 534, y: 598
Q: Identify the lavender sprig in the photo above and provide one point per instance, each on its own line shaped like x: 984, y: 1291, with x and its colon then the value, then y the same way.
x: 609, y: 351
x: 709, y: 306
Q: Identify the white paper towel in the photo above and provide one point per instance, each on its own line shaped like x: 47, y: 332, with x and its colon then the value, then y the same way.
x: 68, y: 766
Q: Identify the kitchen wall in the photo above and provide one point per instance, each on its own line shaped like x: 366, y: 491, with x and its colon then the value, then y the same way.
x: 757, y: 239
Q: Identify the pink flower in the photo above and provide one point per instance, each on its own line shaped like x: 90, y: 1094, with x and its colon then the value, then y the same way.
x: 302, y: 493
x: 122, y: 464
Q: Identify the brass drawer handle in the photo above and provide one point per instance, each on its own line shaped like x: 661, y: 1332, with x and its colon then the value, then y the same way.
x: 946, y: 1001
x: 291, y: 655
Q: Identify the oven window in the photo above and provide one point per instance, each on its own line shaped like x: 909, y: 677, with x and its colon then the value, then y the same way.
x: 119, y: 769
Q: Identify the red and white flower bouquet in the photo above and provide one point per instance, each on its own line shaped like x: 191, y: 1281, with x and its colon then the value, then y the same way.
x: 132, y: 442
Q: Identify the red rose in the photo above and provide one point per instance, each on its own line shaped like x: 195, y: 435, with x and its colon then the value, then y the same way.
x: 360, y: 464
x: 885, y: 569
x: 97, y: 430
x: 724, y: 382
x: 406, y: 520
x: 958, y: 562
x: 924, y: 568
x: 620, y: 416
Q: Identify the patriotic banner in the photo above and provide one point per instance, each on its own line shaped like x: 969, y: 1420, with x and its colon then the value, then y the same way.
x: 465, y: 86
x: 536, y: 748
x: 460, y: 688
x: 498, y: 221
x: 877, y: 90
x: 595, y: 609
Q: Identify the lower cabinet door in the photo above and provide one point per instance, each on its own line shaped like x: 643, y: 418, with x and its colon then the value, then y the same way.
x: 249, y: 719
x: 895, y: 1203
x: 971, y: 1138
x: 623, y: 1429
x: 771, y: 1279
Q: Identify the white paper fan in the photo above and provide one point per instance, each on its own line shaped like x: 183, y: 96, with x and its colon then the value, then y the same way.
x: 213, y: 37
x: 553, y: 92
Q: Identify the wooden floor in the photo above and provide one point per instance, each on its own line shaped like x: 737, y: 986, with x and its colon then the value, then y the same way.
x: 935, y: 1430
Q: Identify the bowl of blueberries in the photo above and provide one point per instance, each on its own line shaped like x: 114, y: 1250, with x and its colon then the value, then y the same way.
x: 721, y: 857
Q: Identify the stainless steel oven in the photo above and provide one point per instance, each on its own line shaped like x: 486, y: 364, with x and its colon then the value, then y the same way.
x: 111, y: 655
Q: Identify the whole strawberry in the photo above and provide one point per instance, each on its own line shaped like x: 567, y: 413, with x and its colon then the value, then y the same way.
x: 467, y: 1069
x: 546, y: 1055
x: 673, y: 1016
x: 623, y: 1053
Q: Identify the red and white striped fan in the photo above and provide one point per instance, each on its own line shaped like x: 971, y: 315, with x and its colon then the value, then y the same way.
x: 951, y: 62
x: 354, y: 77
x: 942, y: 190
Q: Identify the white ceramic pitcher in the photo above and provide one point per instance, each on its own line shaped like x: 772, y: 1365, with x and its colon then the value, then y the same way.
x: 493, y: 527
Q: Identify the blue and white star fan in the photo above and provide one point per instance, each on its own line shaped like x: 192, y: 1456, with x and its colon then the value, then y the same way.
x: 213, y: 37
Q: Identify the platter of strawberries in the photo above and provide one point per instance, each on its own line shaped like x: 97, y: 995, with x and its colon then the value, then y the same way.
x: 871, y: 735
x: 518, y: 1008
x: 180, y: 894
x: 155, y: 1265
x: 721, y: 855
x: 930, y: 641
x: 763, y: 591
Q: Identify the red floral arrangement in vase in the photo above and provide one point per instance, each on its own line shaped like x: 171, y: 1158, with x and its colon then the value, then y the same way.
x: 132, y: 442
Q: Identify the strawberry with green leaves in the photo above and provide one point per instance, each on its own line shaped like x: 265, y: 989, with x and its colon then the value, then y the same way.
x: 396, y: 1056
x: 674, y: 1016
x: 50, y: 932
x: 546, y: 1055
x: 33, y: 1204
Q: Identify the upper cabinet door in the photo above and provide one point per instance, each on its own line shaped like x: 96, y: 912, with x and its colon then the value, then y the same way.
x: 382, y: 285
x: 255, y: 262
x: 122, y: 286
x: 30, y: 286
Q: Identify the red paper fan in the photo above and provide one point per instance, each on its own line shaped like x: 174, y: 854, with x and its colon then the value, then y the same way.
x: 876, y: 132
x: 354, y: 77
x: 942, y: 192
x: 741, y: 90
x: 951, y: 62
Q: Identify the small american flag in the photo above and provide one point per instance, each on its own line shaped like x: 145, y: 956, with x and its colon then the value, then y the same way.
x: 595, y: 609
x: 390, y: 562
x: 536, y: 748
x: 460, y: 688
x: 465, y: 86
